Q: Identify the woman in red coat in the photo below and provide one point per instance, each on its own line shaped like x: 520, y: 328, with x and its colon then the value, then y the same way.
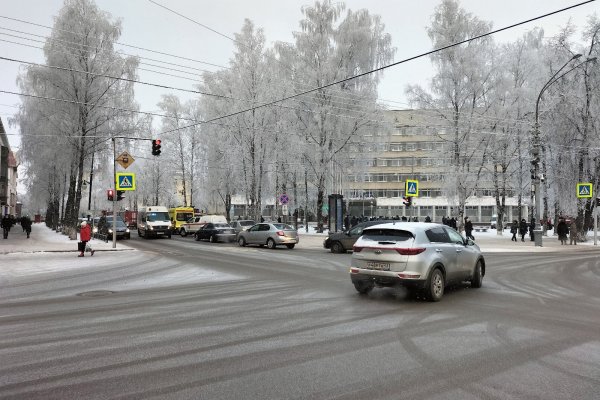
x: 85, y: 234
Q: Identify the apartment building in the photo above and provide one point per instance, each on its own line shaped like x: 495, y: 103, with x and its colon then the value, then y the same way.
x: 415, y: 146
x: 8, y: 175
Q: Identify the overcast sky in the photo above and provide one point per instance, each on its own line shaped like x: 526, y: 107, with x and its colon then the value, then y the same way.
x: 152, y: 27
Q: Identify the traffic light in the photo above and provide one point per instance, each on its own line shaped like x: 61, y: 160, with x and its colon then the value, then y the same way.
x: 156, y: 147
x: 407, y: 201
x: 120, y: 195
x: 110, y: 194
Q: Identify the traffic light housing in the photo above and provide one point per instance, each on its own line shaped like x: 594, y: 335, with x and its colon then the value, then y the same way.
x: 110, y: 194
x: 120, y: 195
x: 156, y: 147
x: 407, y: 201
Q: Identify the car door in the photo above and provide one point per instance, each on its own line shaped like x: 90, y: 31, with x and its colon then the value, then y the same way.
x: 251, y: 234
x: 466, y: 256
x: 263, y: 233
x: 352, y: 236
x: 445, y: 250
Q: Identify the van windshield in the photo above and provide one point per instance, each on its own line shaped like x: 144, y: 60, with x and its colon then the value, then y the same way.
x: 184, y: 216
x: 157, y: 216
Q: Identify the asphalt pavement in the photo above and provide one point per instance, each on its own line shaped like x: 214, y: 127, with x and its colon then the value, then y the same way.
x: 44, y: 239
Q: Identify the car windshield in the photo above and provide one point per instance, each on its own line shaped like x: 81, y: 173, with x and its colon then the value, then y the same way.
x: 387, y: 235
x: 158, y: 216
x: 119, y: 223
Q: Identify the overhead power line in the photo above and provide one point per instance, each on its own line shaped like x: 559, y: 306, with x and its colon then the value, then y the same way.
x: 110, y: 76
x: 119, y: 43
x: 389, y: 65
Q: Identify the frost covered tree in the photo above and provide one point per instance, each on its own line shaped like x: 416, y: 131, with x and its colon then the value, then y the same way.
x: 458, y: 95
x: 329, y: 48
x: 80, y: 93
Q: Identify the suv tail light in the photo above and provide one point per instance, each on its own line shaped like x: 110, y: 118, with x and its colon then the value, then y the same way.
x: 356, y: 249
x: 411, y: 251
x: 280, y: 233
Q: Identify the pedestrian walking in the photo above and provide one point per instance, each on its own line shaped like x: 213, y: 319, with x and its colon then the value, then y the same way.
x: 573, y: 233
x: 523, y: 229
x: 562, y: 229
x: 531, y: 228
x: 514, y: 229
x: 469, y: 228
x: 428, y: 219
x: 26, y: 224
x: 6, y: 224
x: 85, y: 235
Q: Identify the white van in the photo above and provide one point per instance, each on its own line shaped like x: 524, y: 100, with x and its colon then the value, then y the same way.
x: 198, y: 222
x: 153, y: 221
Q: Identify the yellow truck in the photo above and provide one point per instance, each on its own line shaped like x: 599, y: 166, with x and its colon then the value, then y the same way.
x: 179, y: 216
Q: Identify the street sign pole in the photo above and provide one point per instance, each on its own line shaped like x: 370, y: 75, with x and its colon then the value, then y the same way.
x: 114, y: 208
x: 595, y: 226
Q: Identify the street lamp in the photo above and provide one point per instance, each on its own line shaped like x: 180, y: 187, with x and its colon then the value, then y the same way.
x: 536, y: 144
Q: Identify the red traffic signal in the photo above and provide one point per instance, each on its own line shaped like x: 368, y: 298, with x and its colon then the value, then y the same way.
x: 110, y: 194
x: 156, y: 147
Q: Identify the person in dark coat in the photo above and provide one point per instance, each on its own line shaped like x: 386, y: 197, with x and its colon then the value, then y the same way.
x: 514, y: 229
x: 562, y: 229
x: 347, y: 222
x: 6, y: 224
x: 469, y: 229
x: 531, y: 228
x: 427, y: 219
x: 523, y: 229
x: 26, y: 225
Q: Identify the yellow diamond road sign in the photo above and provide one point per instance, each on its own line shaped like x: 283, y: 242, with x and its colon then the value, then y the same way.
x: 126, y: 181
x: 125, y: 159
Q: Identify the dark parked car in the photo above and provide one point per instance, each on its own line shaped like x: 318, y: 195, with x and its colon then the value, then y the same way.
x: 215, y: 232
x: 341, y: 242
x: 105, y: 232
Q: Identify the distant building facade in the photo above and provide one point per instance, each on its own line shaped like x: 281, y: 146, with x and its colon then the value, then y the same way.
x: 414, y: 149
x: 8, y: 175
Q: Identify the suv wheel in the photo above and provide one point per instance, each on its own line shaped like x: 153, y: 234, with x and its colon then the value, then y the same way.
x: 435, y: 285
x: 212, y: 239
x: 363, y: 287
x: 182, y: 232
x: 242, y: 242
x: 477, y: 279
x: 336, y: 247
x: 196, y: 237
x: 271, y: 244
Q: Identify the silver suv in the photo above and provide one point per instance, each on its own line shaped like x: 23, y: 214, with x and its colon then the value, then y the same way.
x: 417, y: 255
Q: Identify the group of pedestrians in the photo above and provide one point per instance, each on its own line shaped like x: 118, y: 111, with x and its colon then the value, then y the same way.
x: 562, y: 229
x: 8, y: 221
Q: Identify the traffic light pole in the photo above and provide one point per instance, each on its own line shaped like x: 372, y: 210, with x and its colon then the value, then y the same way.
x: 114, y: 202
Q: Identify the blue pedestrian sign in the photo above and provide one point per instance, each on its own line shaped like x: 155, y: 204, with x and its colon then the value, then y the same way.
x: 411, y: 188
x: 584, y: 190
x: 125, y: 181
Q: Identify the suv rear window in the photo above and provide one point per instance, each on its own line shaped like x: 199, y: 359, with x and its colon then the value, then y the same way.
x: 379, y: 235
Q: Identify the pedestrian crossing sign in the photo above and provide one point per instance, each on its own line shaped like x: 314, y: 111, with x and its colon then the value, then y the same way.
x: 584, y: 190
x: 125, y: 181
x: 411, y: 188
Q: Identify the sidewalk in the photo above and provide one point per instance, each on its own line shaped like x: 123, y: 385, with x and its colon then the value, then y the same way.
x: 488, y: 242
x: 44, y: 239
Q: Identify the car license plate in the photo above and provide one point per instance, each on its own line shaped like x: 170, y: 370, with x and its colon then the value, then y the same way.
x: 160, y: 233
x: 379, y: 266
